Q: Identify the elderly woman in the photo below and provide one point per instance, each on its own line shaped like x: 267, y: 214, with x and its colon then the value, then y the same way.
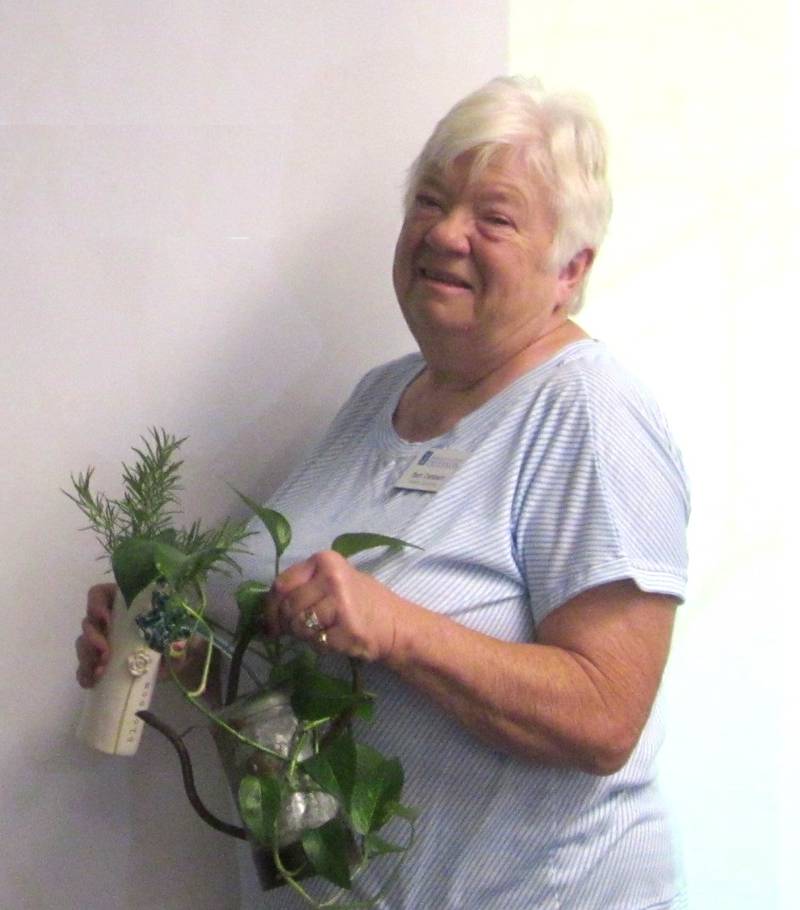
x: 517, y: 655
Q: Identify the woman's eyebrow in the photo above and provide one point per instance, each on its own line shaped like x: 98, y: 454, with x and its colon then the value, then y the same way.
x: 431, y: 182
x: 508, y: 195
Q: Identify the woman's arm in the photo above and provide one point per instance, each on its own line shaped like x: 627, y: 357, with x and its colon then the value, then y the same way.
x: 579, y: 697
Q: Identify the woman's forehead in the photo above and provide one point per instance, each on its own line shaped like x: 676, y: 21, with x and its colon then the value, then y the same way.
x: 503, y: 173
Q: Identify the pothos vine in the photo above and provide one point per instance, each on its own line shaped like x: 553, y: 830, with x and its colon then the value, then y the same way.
x: 348, y: 792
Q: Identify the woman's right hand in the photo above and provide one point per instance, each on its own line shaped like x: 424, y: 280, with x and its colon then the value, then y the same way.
x: 92, y: 645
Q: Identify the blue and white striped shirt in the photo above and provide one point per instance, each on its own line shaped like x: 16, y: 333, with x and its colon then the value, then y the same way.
x: 572, y: 480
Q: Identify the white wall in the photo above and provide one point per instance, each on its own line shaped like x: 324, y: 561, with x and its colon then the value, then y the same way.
x: 198, y: 203
x: 692, y: 290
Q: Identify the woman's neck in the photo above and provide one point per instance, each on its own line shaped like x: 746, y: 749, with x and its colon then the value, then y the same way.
x: 455, y: 383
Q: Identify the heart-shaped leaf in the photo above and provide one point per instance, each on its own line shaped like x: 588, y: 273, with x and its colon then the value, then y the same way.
x: 334, y: 768
x: 405, y: 812
x: 279, y: 528
x: 349, y: 544
x: 287, y: 673
x: 260, y: 805
x: 318, y: 696
x: 327, y: 849
x: 136, y: 565
x: 374, y: 845
x: 379, y: 783
x: 250, y: 600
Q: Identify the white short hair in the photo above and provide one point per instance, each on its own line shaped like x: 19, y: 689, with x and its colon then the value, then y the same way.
x: 561, y: 140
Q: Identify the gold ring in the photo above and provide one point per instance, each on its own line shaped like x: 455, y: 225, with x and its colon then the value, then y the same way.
x: 322, y: 638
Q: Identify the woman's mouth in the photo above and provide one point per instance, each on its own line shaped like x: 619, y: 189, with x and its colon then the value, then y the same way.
x: 444, y: 278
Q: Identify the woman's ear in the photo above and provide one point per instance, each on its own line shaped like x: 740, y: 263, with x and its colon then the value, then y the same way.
x: 572, y: 275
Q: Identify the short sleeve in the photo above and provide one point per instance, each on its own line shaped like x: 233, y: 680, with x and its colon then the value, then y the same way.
x: 603, y: 494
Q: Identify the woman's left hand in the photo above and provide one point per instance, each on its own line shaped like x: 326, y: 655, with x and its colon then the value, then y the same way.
x: 325, y: 601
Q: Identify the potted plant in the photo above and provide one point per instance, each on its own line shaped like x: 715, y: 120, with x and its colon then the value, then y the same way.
x: 312, y: 799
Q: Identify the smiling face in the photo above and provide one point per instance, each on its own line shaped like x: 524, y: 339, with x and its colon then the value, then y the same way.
x: 473, y: 259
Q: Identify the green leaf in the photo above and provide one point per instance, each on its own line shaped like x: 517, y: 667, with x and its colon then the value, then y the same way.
x: 405, y: 812
x: 318, y: 696
x: 250, y: 600
x: 374, y: 845
x: 349, y: 544
x: 175, y: 566
x: 291, y: 670
x: 334, y: 768
x: 260, y: 805
x: 379, y: 783
x: 140, y: 561
x: 279, y: 528
x: 327, y: 849
x: 168, y: 535
x: 135, y: 566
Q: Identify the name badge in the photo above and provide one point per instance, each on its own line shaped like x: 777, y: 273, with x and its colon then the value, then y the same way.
x: 429, y: 472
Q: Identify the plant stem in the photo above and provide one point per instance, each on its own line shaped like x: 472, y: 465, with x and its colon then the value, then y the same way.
x: 201, y: 688
x: 234, y: 672
x: 289, y: 878
x: 207, y: 712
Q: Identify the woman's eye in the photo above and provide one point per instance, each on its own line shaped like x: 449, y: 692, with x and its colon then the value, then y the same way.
x: 426, y: 201
x: 499, y: 220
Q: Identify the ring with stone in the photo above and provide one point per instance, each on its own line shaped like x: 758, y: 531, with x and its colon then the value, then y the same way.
x: 311, y: 621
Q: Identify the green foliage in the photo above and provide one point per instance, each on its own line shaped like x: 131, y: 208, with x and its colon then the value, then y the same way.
x: 249, y: 598
x: 317, y: 696
x: 378, y: 785
x: 355, y: 542
x: 276, y: 524
x: 137, y: 562
x: 260, y: 799
x: 137, y: 531
x: 150, y: 496
x: 329, y: 849
x: 375, y: 845
x: 366, y: 785
x: 138, y: 535
x: 289, y: 672
x: 334, y: 768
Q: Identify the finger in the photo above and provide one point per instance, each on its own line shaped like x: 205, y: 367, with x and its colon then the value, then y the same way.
x: 294, y: 615
x: 305, y: 597
x: 99, y: 602
x: 91, y: 663
x: 85, y: 679
x: 295, y: 576
x: 331, y: 641
x: 95, y: 636
x: 319, y: 617
x: 92, y: 652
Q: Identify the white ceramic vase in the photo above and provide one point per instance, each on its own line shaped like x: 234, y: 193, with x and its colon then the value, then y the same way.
x: 108, y: 721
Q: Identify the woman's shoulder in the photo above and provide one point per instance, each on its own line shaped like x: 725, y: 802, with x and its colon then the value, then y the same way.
x: 387, y: 375
x: 587, y: 375
x: 376, y: 391
x: 588, y: 397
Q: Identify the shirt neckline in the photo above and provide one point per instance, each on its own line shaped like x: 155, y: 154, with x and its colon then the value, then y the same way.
x: 389, y: 439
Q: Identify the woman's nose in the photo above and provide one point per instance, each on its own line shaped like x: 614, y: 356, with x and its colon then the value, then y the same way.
x: 450, y: 233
